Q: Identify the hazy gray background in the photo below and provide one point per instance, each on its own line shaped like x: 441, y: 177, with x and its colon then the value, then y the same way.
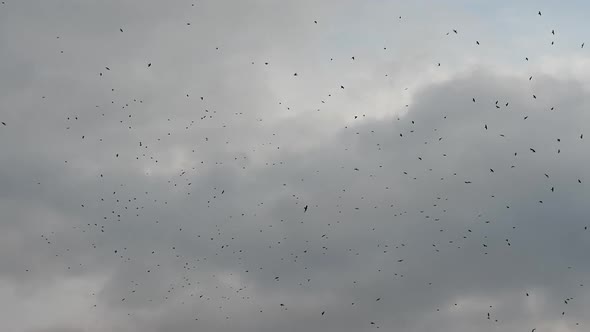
x: 171, y: 197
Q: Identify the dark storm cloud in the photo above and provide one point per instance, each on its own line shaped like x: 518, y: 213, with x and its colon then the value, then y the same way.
x: 325, y: 173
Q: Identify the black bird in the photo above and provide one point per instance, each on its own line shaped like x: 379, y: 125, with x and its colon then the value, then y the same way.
x: 533, y: 150
x: 121, y: 29
x: 4, y: 123
x: 539, y: 13
x: 305, y: 208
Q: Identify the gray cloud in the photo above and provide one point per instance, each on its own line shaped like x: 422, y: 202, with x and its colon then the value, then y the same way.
x: 201, y: 226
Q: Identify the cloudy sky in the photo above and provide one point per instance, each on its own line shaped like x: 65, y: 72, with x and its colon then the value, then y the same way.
x: 261, y: 166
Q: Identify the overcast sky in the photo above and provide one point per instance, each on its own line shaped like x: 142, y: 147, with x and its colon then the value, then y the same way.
x: 262, y: 166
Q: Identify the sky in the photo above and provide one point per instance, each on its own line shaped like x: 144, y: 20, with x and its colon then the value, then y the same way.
x: 265, y: 165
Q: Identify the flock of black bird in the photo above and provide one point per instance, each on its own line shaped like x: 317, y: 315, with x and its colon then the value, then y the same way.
x: 138, y: 215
